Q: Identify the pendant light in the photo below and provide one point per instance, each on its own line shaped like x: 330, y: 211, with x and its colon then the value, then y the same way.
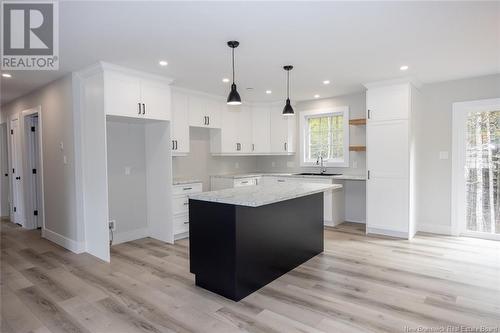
x: 288, y: 110
x: 233, y: 98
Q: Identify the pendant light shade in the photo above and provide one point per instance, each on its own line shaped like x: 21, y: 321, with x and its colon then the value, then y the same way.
x: 233, y: 98
x: 288, y: 110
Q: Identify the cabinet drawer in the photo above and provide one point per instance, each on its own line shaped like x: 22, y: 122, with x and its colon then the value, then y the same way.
x: 245, y: 182
x: 187, y: 189
x: 181, y: 205
x: 181, y: 224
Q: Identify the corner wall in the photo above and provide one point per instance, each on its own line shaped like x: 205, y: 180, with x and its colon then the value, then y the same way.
x: 56, y: 100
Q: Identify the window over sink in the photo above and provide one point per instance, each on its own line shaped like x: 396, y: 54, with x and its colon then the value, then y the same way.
x: 324, y: 133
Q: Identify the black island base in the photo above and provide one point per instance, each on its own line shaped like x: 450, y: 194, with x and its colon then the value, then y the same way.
x: 236, y: 250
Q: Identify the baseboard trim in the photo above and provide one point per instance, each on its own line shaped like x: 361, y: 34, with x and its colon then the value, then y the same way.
x: 181, y: 235
x: 127, y: 236
x: 67, y: 243
x: 385, y: 232
x: 354, y: 221
x: 434, y: 229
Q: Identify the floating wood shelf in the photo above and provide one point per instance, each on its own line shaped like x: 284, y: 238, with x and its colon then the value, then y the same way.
x: 357, y: 148
x: 356, y: 122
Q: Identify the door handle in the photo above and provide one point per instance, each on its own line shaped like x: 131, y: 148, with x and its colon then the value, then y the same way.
x: 139, y: 104
x: 143, y: 108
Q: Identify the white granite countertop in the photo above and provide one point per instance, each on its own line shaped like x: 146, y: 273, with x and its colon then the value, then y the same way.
x: 260, y: 195
x: 293, y: 175
x: 182, y: 181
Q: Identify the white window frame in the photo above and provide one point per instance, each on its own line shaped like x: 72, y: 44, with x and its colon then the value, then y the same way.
x: 303, y: 128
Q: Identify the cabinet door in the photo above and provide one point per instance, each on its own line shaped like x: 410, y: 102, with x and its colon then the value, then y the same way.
x: 122, y: 95
x: 261, y: 130
x: 387, y: 205
x: 279, y: 131
x: 388, y: 102
x: 155, y: 97
x: 213, y: 110
x: 387, y: 151
x: 245, y: 130
x: 180, y: 125
x: 229, y: 130
x: 197, y: 114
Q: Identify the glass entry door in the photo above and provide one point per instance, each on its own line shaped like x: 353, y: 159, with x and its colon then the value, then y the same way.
x: 482, y: 175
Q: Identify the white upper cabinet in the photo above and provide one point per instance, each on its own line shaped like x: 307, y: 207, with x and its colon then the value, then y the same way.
x: 131, y: 96
x: 261, y: 129
x: 283, y: 129
x: 155, y: 98
x: 180, y: 123
x: 388, y: 102
x: 122, y: 95
x: 204, y: 112
x: 235, y: 134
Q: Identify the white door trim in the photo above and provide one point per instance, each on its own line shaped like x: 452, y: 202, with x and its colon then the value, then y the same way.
x: 460, y: 112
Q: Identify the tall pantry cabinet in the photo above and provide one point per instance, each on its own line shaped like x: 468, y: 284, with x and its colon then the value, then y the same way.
x: 390, y: 149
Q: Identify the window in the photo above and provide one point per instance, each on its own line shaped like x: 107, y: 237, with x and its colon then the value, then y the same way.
x: 325, y: 133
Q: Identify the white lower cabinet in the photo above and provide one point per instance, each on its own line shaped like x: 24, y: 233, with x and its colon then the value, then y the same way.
x: 180, y: 207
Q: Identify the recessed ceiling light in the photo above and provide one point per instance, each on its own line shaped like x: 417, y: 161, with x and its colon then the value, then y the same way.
x: 269, y: 92
x: 163, y: 63
x: 7, y: 75
x: 316, y: 96
x: 225, y: 80
x: 403, y: 68
x: 326, y: 82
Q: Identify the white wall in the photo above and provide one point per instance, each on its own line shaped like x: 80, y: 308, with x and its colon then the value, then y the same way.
x: 56, y: 100
x: 357, y: 136
x: 126, y: 144
x: 200, y: 164
x: 433, y: 134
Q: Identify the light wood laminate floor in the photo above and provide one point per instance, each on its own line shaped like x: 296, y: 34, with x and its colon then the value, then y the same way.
x: 359, y: 284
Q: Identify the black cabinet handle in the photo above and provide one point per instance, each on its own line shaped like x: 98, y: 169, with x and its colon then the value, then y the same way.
x: 281, y: 180
x: 18, y: 178
x: 186, y: 222
x: 368, y: 174
x: 187, y: 188
x: 368, y: 113
x: 186, y: 203
x: 173, y: 144
x: 245, y: 182
x: 253, y: 146
x: 208, y: 120
x: 204, y: 120
x: 143, y: 108
x: 285, y: 146
x: 139, y: 104
x: 176, y: 146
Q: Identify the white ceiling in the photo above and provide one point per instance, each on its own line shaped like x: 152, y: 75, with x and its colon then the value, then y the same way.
x: 346, y: 42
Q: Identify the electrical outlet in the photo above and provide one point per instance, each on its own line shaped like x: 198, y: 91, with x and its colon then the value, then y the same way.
x: 112, y: 225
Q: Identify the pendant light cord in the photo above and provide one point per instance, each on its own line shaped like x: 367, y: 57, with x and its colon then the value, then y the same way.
x: 233, y: 62
x: 288, y: 84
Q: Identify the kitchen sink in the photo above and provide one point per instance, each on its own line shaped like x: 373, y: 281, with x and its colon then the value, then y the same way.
x: 318, y: 174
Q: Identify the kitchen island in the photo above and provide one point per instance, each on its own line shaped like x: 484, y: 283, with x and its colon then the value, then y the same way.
x: 243, y: 238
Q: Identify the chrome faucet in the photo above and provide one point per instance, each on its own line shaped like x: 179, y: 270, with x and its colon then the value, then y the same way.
x: 320, y: 159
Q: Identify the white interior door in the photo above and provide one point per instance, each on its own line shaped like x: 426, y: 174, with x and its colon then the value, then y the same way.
x: 4, y: 169
x: 16, y: 169
x: 476, y: 169
x: 34, y: 171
